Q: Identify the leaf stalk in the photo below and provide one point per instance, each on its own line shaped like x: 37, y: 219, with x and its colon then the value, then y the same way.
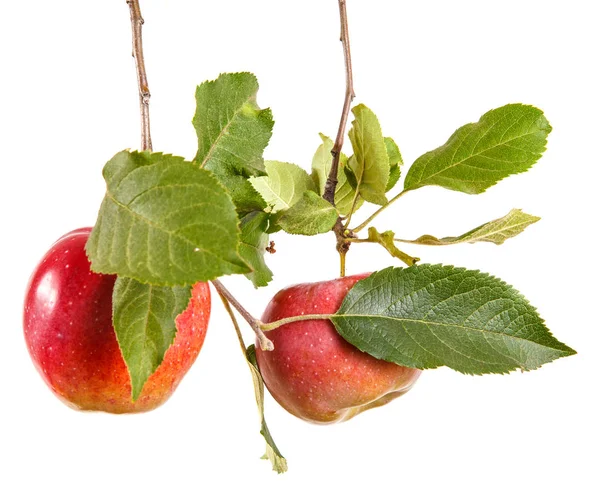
x: 266, y: 327
x: 265, y: 343
x: 365, y: 223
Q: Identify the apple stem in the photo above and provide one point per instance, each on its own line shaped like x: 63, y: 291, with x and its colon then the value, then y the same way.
x: 265, y: 343
x: 291, y: 319
x: 137, y: 22
x: 234, y: 321
x: 342, y: 245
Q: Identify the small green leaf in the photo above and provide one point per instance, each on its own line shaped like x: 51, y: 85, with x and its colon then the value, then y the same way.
x: 371, y: 164
x: 496, y: 231
x: 349, y: 168
x: 321, y: 163
x: 395, y: 159
x: 311, y: 215
x: 255, y: 240
x: 505, y: 141
x: 272, y: 453
x: 393, y: 152
x: 232, y: 130
x: 163, y: 221
x: 144, y: 322
x: 428, y: 316
x: 394, y: 177
x: 386, y: 239
x: 232, y: 135
x: 283, y: 186
x: 321, y: 166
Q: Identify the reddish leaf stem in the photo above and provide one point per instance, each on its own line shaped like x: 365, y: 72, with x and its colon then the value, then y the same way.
x: 137, y: 22
x: 332, y: 180
x: 264, y: 342
x: 341, y: 233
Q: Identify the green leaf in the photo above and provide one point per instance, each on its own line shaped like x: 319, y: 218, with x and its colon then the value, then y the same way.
x: 393, y: 152
x: 144, y: 322
x: 243, y: 194
x: 395, y: 160
x: 321, y: 166
x: 272, y: 453
x: 232, y: 130
x: 255, y: 240
x: 283, y: 186
x: 163, y: 221
x: 428, y: 316
x: 311, y: 215
x: 394, y: 177
x: 386, y: 239
x: 496, y: 231
x: 370, y: 164
x: 505, y: 141
x: 232, y: 134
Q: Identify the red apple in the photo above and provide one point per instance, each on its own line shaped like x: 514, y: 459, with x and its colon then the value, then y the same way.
x: 70, y: 337
x: 313, y: 372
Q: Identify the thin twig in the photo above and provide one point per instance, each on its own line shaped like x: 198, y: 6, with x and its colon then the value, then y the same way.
x: 364, y: 224
x: 265, y: 343
x: 332, y: 180
x: 138, y: 54
x: 341, y: 233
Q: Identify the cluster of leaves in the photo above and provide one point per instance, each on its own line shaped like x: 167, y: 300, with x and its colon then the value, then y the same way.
x: 167, y: 223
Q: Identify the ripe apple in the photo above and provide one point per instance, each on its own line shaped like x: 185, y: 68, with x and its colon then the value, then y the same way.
x: 70, y: 337
x: 313, y: 372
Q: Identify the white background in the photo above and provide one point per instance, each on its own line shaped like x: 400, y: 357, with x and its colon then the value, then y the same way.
x: 68, y: 102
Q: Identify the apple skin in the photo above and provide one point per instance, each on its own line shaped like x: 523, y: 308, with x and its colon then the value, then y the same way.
x: 313, y: 372
x: 68, y: 330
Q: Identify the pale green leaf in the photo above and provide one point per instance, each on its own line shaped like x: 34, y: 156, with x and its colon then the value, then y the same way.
x: 393, y: 152
x: 429, y: 316
x: 311, y: 215
x: 395, y: 160
x: 496, y: 231
x: 163, y: 221
x: 386, y: 239
x: 272, y: 453
x: 321, y: 166
x: 371, y: 164
x: 255, y: 240
x: 144, y: 322
x: 503, y: 142
x: 283, y: 186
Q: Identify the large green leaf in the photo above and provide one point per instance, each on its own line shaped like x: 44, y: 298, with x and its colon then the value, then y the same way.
x: 144, y: 321
x: 255, y: 240
x: 232, y: 134
x: 496, y: 231
x: 163, y: 221
x: 503, y: 142
x: 272, y: 453
x: 321, y: 166
x: 283, y: 186
x: 311, y: 215
x: 429, y: 316
x: 370, y: 163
